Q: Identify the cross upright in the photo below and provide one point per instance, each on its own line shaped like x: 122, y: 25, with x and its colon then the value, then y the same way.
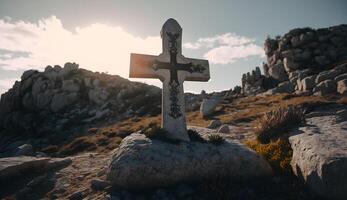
x: 172, y: 68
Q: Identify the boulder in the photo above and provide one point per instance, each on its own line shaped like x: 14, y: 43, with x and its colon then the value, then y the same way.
x: 141, y: 163
x: 208, y: 106
x: 277, y: 72
x: 44, y: 99
x: 320, y: 154
x: 13, y: 166
x: 70, y: 86
x: 285, y: 87
x: 98, y: 95
x: 325, y: 75
x: 52, y: 73
x: 62, y: 100
x: 342, y: 87
x: 322, y: 60
x: 28, y: 74
x: 325, y: 87
x: 25, y: 150
x: 69, y: 68
x: 290, y: 65
x: 340, y: 77
x: 214, y: 124
x: 308, y: 83
x: 224, y: 129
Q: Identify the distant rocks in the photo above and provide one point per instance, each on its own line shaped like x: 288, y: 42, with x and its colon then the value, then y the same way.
x: 163, y: 164
x: 312, y: 60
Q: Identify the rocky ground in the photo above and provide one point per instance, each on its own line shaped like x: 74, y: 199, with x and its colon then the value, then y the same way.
x: 85, y: 175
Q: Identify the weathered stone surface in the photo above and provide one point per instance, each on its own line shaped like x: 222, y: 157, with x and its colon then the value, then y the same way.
x: 143, y: 163
x: 290, y: 65
x: 14, y: 165
x: 97, y: 184
x: 28, y: 74
x: 208, y: 106
x: 341, y: 77
x: 44, y: 99
x: 98, y: 95
x: 307, y: 48
x: 70, y: 86
x: 325, y: 75
x: 69, y: 68
x: 214, y: 124
x: 62, y: 100
x: 224, y: 129
x: 342, y: 87
x: 308, y: 83
x: 25, y: 150
x: 320, y: 153
x: 278, y: 72
x: 325, y: 87
x: 284, y: 87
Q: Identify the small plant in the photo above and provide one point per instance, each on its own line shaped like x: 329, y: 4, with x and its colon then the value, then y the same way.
x: 278, y: 153
x: 215, y: 139
x: 194, y: 136
x: 153, y: 131
x: 274, y: 123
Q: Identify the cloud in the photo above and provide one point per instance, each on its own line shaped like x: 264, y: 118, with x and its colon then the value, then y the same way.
x: 96, y: 47
x: 226, y: 48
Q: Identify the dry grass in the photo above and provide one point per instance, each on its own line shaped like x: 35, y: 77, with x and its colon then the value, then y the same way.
x: 247, y: 109
x: 277, y: 122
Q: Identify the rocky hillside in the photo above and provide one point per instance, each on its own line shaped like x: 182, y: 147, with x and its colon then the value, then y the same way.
x: 59, y: 98
x: 303, y: 60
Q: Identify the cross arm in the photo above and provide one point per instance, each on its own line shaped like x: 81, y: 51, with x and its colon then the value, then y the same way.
x: 198, y: 69
x: 141, y: 66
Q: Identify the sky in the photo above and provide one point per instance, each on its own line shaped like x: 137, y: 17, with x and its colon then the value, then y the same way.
x: 100, y: 35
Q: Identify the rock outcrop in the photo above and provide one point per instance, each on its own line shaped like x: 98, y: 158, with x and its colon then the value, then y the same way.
x: 320, y: 152
x: 140, y: 162
x: 306, y: 58
x: 57, y: 97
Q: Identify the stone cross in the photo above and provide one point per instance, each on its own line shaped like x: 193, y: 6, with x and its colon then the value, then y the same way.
x: 172, y: 68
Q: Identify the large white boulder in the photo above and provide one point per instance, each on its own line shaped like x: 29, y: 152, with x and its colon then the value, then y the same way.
x: 320, y: 153
x: 208, y: 106
x: 140, y: 162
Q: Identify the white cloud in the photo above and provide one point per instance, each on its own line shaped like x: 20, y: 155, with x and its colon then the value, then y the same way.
x: 227, y: 48
x: 96, y: 47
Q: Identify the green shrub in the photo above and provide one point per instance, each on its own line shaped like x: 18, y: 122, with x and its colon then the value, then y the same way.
x: 215, y: 139
x: 274, y: 124
x: 194, y: 136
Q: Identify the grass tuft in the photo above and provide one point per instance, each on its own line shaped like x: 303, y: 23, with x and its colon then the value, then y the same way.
x: 215, y: 139
x: 274, y: 123
x: 153, y: 131
x: 194, y: 136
